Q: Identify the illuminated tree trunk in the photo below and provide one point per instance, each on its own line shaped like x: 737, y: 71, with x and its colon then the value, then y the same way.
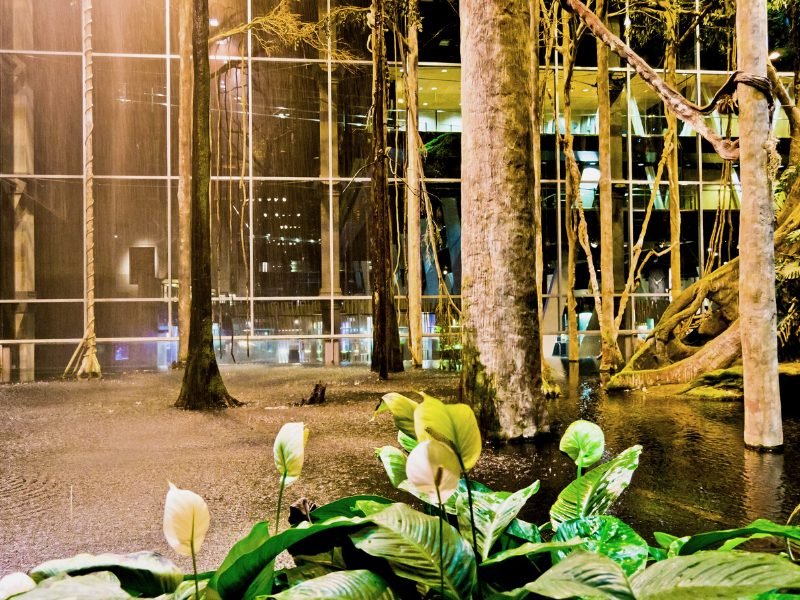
x: 605, y: 312
x: 386, y: 355
x: 413, y: 195
x: 501, y: 376
x: 89, y: 365
x: 184, y: 178
x: 571, y: 188
x: 672, y: 161
x: 762, y: 423
x: 202, y: 387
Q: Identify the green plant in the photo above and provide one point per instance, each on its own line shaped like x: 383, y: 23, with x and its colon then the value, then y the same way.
x: 470, y: 544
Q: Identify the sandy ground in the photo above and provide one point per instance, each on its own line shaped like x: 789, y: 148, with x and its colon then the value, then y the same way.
x: 84, y: 465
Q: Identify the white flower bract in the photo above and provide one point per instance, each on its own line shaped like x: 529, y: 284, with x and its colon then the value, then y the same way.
x: 289, y: 451
x: 186, y: 520
x: 14, y: 584
x: 433, y: 465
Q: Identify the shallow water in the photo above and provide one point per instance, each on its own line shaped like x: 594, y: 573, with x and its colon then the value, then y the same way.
x: 694, y: 475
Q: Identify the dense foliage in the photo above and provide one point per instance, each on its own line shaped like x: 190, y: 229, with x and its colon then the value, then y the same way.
x: 466, y: 542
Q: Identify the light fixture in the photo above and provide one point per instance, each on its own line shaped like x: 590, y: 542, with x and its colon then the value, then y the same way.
x: 213, y: 22
x: 444, y: 70
x: 774, y: 55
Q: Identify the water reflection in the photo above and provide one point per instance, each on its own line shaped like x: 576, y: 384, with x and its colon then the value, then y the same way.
x: 694, y: 474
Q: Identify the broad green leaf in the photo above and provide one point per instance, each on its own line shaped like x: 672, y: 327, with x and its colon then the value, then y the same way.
x: 410, y: 542
x: 664, y: 539
x: 702, y: 541
x: 531, y: 549
x: 101, y: 585
x: 607, y: 536
x: 252, y: 554
x: 185, y: 591
x: 369, y: 507
x: 402, y: 409
x: 145, y: 573
x: 394, y: 461
x: 304, y: 572
x: 342, y: 585
x: 712, y: 575
x: 345, y: 507
x: 493, y: 512
x: 262, y: 584
x: 527, y: 532
x: 583, y: 442
x: 456, y: 423
x: 597, y: 490
x: 406, y: 441
x: 584, y: 575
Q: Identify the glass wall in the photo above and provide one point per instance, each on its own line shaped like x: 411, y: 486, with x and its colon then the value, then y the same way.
x: 290, y: 187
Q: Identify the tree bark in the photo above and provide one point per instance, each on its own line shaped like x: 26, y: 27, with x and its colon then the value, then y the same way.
x: 605, y: 312
x: 386, y: 355
x: 763, y: 426
x: 536, y: 160
x: 413, y: 194
x: 202, y: 386
x: 184, y: 178
x: 501, y: 377
x: 89, y: 365
x: 672, y: 161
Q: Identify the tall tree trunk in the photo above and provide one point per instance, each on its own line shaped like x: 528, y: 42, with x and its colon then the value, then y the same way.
x: 501, y: 377
x: 605, y: 312
x: 184, y: 178
x: 202, y: 387
x: 536, y: 161
x: 672, y: 161
x: 386, y: 355
x: 89, y: 366
x: 762, y: 426
x: 413, y: 192
x: 572, y: 182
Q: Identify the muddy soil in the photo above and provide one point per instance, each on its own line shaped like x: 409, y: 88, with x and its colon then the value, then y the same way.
x: 84, y: 466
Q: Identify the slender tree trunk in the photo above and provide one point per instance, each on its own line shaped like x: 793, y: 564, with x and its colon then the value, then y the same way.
x: 763, y: 426
x: 672, y: 161
x: 413, y: 194
x: 184, y: 178
x: 202, y: 387
x: 501, y: 377
x: 605, y: 312
x: 536, y: 160
x: 572, y: 181
x: 89, y: 366
x: 386, y: 355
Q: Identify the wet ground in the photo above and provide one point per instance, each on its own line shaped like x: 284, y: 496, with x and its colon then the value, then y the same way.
x: 84, y: 465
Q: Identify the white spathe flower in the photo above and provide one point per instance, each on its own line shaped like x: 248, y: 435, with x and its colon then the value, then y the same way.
x: 186, y: 520
x: 289, y: 451
x: 14, y: 584
x: 433, y: 465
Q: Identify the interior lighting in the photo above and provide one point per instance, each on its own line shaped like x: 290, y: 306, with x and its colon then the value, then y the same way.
x: 433, y: 89
x: 444, y: 70
x: 213, y: 22
x: 774, y: 55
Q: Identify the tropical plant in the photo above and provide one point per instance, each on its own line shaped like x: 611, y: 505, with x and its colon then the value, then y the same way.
x: 467, y: 541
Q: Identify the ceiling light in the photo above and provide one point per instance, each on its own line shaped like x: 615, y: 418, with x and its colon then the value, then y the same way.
x: 213, y: 22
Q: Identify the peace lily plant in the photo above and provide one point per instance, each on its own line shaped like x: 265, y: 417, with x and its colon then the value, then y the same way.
x: 476, y: 546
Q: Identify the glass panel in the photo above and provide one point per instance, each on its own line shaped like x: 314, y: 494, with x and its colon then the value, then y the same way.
x: 40, y: 25
x: 21, y: 321
x: 288, y: 107
x: 446, y: 205
x: 230, y: 238
x: 131, y: 319
x: 353, y: 100
x: 290, y: 245
x: 223, y: 15
x: 40, y: 104
x: 309, y: 11
x: 130, y: 117
x: 50, y: 213
x: 229, y: 121
x: 113, y: 32
x: 131, y: 238
x: 129, y: 356
x: 292, y: 317
x: 354, y: 206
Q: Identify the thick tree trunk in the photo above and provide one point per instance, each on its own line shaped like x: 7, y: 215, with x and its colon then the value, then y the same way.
x: 762, y: 426
x: 202, y: 387
x: 184, y: 178
x: 536, y: 160
x: 610, y: 356
x: 501, y: 376
x: 413, y: 194
x: 386, y: 355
